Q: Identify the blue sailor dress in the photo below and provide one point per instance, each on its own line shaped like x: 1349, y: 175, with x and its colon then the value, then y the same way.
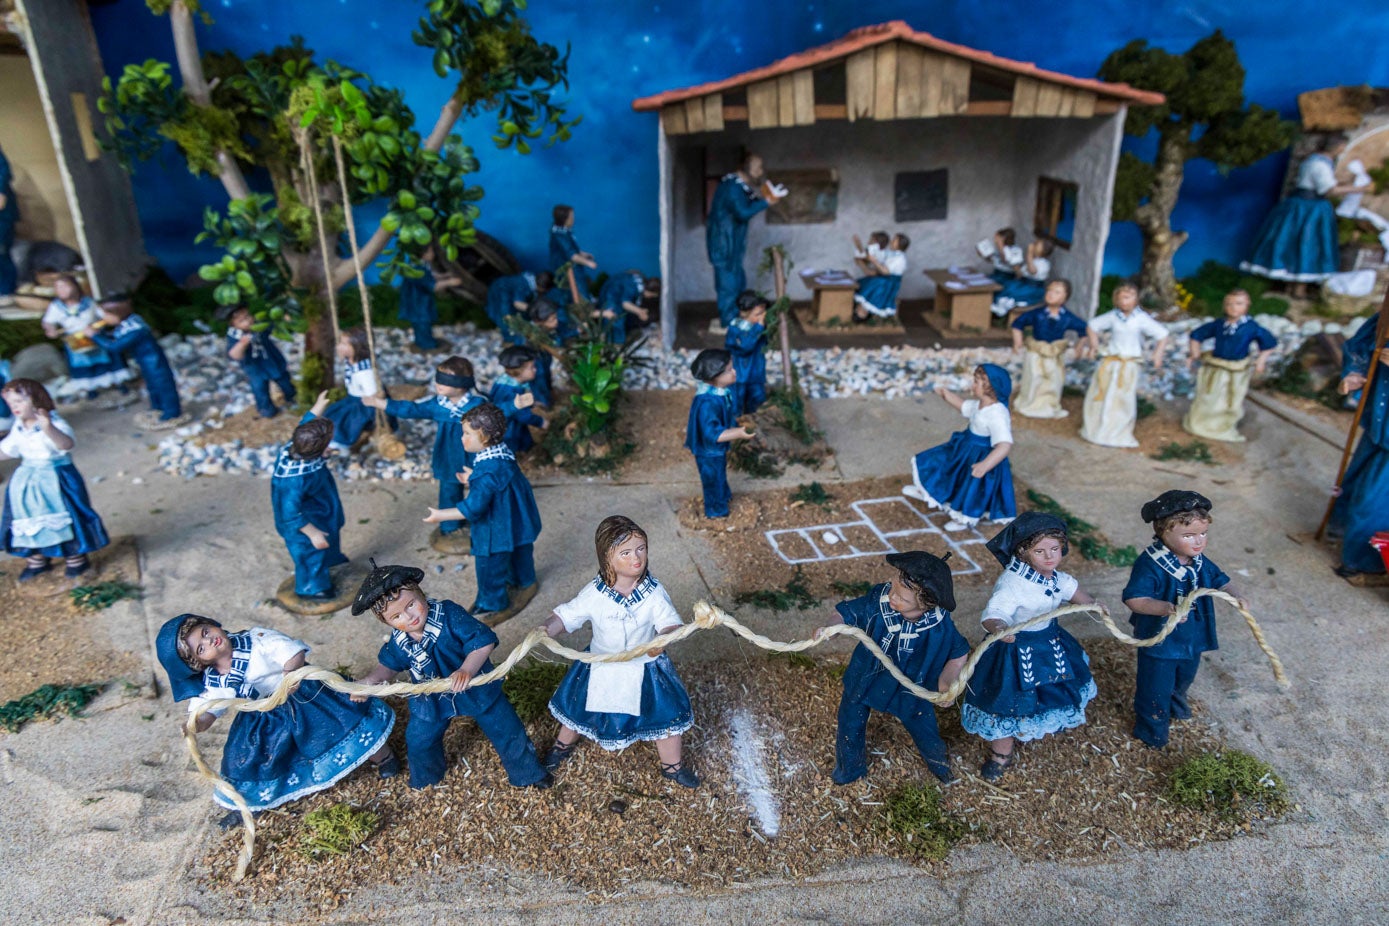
x: 1363, y: 506
x: 617, y: 704
x: 617, y: 289
x: 563, y: 247
x: 304, y: 492
x: 877, y: 293
x: 92, y: 367
x: 502, y: 293
x: 350, y: 416
x: 1298, y: 241
x: 47, y: 511
x: 519, y: 421
x: 312, y: 741
x: 1040, y: 683
x: 1158, y: 574
x: 943, y: 472
x: 747, y: 342
x: 134, y: 338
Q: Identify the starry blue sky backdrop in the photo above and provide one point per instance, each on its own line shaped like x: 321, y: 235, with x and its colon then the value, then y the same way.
x: 624, y: 49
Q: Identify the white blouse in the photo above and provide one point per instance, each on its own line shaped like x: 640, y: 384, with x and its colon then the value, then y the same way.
x: 26, y: 442
x: 63, y: 316
x: 1042, y: 271
x: 618, y: 627
x: 1016, y: 599
x: 361, y: 379
x: 993, y: 422
x: 1317, y: 174
x: 1126, y: 333
x: 895, y: 262
x: 265, y: 668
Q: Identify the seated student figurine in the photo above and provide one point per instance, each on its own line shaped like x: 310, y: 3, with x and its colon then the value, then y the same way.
x: 909, y: 618
x: 436, y: 638
x: 864, y: 256
x: 511, y: 392
x: 1028, y: 283
x: 259, y: 359
x: 1003, y: 254
x: 512, y: 295
x: 620, y: 303
x: 877, y: 292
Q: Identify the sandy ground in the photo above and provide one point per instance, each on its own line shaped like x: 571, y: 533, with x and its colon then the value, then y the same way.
x: 102, y: 821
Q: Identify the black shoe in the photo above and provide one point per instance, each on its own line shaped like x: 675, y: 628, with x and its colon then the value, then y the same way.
x: 547, y: 782
x: 680, y: 773
x: 231, y: 821
x: 388, y: 767
x: 33, y: 571
x: 558, y: 755
x: 997, y: 764
x: 73, y: 572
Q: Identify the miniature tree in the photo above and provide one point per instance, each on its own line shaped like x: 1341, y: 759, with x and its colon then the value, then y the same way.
x: 1205, y: 116
x: 281, y: 111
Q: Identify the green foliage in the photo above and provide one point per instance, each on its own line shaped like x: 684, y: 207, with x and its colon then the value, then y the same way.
x: 1133, y: 184
x: 253, y: 272
x: 795, y: 594
x: 313, y: 377
x: 596, y: 383
x: 172, y: 309
x: 747, y: 458
x: 19, y: 333
x: 812, y: 494
x: 791, y: 403
x: 1294, y: 379
x: 529, y: 687
x: 914, y: 815
x: 1083, y: 534
x: 1196, y: 452
x: 1380, y: 175
x: 797, y: 660
x: 1210, y: 283
x: 1145, y: 407
x: 851, y: 589
x: 335, y: 830
x: 103, y: 594
x: 47, y: 701
x: 1232, y: 784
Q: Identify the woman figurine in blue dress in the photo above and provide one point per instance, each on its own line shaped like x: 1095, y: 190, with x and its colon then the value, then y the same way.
x: 1362, y: 508
x: 312, y: 741
x: 1298, y: 240
x: 1036, y: 682
x: 47, y: 511
x: 619, y: 703
x: 969, y: 475
x: 68, y: 316
x: 565, y: 250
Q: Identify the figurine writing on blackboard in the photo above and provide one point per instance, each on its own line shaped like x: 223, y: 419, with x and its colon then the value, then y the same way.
x: 740, y: 196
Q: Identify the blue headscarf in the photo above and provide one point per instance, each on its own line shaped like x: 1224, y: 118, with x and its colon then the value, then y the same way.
x: 999, y: 381
x: 184, y: 682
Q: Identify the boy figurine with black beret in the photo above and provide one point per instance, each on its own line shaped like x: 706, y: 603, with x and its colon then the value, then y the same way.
x: 909, y: 618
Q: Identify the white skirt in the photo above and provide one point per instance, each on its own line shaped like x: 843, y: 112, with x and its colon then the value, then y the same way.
x: 1111, y: 403
x: 1218, y: 406
x: 1039, y: 388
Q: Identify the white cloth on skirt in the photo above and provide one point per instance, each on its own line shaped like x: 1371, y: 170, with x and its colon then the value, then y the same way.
x: 1043, y: 378
x: 1217, y: 407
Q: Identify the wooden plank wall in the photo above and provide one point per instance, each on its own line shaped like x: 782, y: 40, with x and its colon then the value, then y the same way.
x: 905, y: 81
x: 1035, y: 98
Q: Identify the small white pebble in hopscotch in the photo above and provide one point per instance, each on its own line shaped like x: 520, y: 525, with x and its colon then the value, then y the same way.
x: 750, y: 771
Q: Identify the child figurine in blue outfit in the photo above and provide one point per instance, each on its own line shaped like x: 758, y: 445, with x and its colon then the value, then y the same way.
x: 505, y: 522
x: 260, y: 360
x: 436, y: 638
x: 1031, y: 683
x: 1226, y: 372
x: 453, y: 398
x: 512, y: 295
x: 511, y: 392
x: 1172, y: 566
x: 1043, y: 372
x: 565, y: 250
x: 909, y: 619
x: 620, y: 304
x: 351, y: 416
x: 746, y: 340
x: 418, y: 303
x: 713, y: 423
x: 128, y: 334
x: 308, y: 512
x: 544, y: 314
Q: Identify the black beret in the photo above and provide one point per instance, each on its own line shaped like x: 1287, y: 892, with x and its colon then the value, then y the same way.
x: 517, y: 355
x: 118, y: 298
x: 1173, y: 501
x: 929, y: 572
x: 382, y: 580
x: 1023, y: 528
x: 710, y: 363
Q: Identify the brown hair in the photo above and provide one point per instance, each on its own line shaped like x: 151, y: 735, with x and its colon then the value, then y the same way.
x: 185, y: 651
x: 988, y: 383
x: 311, y: 438
x: 488, y: 421
x: 121, y: 308
x: 456, y: 366
x: 612, y: 532
x: 923, y: 594
x: 31, y: 389
x: 357, y: 339
x: 1047, y: 247
x: 561, y: 214
x: 1163, y: 525
x: 1060, y: 281
x: 378, y: 607
x: 1030, y: 542
x: 1129, y: 285
x: 879, y: 238
x: 1009, y: 236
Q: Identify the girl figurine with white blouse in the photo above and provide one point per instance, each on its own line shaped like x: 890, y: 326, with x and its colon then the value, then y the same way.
x: 618, y: 703
x: 1035, y: 682
x: 969, y: 475
x: 877, y: 292
x: 1111, y: 401
x: 47, y: 511
x: 350, y: 416
x: 68, y: 316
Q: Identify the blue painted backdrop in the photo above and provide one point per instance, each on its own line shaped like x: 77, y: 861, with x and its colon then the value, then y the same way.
x: 623, y: 49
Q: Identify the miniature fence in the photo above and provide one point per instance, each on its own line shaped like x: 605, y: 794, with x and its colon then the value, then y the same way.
x: 706, y: 617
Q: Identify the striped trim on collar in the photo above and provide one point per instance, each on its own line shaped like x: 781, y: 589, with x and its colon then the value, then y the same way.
x: 288, y: 466
x: 235, y: 680
x: 422, y: 664
x: 643, y: 589
x: 1168, y: 562
x: 497, y: 451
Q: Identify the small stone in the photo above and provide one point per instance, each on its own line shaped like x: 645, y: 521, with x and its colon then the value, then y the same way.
x: 438, y: 569
x: 617, y: 806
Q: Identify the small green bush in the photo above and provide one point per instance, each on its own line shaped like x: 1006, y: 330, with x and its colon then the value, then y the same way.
x: 335, y: 830
x: 530, y: 685
x: 1196, y: 452
x: 1231, y: 784
x: 913, y: 814
x: 795, y: 594
x: 103, y: 594
x: 47, y: 701
x: 812, y: 494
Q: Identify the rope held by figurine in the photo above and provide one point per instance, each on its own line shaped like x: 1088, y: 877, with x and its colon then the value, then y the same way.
x: 706, y: 617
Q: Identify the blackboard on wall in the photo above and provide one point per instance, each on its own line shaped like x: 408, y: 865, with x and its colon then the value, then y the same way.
x: 921, y: 196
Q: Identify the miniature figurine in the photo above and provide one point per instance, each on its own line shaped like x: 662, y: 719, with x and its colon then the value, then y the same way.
x: 969, y: 476
x: 69, y: 316
x: 47, y: 511
x: 9, y: 216
x: 6, y: 414
x: 260, y: 360
x: 1035, y: 682
x: 500, y: 509
x: 712, y: 425
x: 616, y: 704
x: 351, y: 417
x: 909, y: 618
x: 746, y: 340
x: 453, y: 398
x: 619, y: 304
x: 1004, y: 255
x: 547, y: 316
x: 1172, y: 566
x: 418, y: 304
x: 1027, y: 284
x: 739, y: 197
x: 311, y: 742
x: 1218, y: 405
x: 864, y: 256
x: 1362, y: 505
x: 564, y: 249
x: 511, y: 392
x: 436, y: 638
x: 513, y: 294
x: 308, y: 512
x: 1352, y: 207
x: 125, y: 333
x: 1111, y: 400
x: 877, y: 292
x: 1043, y: 372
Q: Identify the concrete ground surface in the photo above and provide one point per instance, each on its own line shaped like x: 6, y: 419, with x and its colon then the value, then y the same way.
x: 101, y: 818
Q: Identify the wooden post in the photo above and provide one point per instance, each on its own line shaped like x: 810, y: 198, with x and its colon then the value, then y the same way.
x: 779, y: 280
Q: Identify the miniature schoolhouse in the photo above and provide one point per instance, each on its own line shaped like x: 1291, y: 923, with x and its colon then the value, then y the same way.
x: 892, y: 128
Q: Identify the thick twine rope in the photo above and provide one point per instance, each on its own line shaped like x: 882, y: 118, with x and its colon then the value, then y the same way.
x: 706, y: 617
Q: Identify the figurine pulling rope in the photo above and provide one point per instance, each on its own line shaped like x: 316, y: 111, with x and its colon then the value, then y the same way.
x: 706, y: 617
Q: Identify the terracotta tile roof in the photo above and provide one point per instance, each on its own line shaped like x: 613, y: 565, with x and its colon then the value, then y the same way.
x: 897, y: 30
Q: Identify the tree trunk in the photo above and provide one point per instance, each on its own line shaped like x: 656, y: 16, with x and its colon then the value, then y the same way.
x: 1158, y: 279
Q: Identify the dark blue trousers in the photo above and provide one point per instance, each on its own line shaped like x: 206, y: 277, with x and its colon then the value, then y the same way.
x: 748, y: 397
x: 163, y: 392
x: 424, y: 335
x: 713, y: 476
x: 260, y: 388
x: 311, y: 566
x: 1160, y: 695
x: 729, y: 281
x: 9, y: 273
x: 450, y: 494
x: 424, y: 746
x: 496, y: 571
x: 851, y: 746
